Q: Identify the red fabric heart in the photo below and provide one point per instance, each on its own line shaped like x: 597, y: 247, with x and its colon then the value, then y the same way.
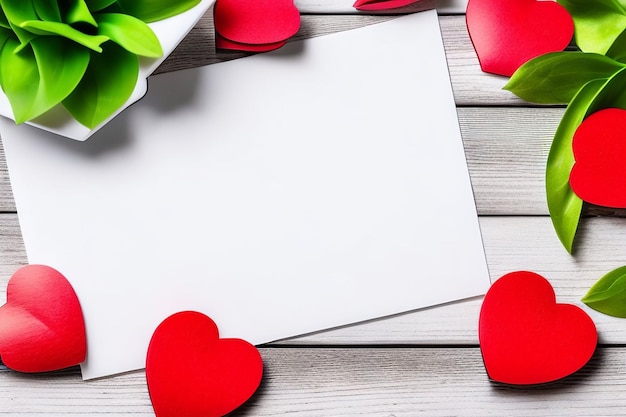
x: 41, y: 325
x: 371, y: 5
x: 599, y: 145
x: 526, y: 337
x: 507, y: 33
x: 191, y: 372
x: 259, y: 22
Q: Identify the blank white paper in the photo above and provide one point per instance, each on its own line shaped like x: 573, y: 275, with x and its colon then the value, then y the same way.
x: 315, y: 186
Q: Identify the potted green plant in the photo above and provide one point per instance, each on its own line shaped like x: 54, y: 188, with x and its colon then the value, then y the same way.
x: 69, y: 66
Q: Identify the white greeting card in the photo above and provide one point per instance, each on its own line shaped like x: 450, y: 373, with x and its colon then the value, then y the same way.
x: 315, y: 186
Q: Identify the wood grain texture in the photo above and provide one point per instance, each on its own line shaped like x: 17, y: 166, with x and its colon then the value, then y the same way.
x: 506, y: 161
x: 511, y: 243
x: 381, y: 382
x: 418, y: 363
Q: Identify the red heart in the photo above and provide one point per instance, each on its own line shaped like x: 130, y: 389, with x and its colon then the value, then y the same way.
x: 191, y: 372
x: 41, y: 325
x: 224, y: 43
x: 371, y: 5
x: 507, y: 33
x: 599, y: 145
x: 526, y: 337
x: 258, y: 22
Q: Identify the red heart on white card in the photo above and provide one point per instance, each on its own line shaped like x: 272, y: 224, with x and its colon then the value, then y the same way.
x: 526, y: 337
x: 41, y: 325
x: 507, y: 33
x: 191, y: 372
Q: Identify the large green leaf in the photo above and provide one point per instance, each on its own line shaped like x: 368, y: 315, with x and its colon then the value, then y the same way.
x: 608, y: 295
x: 39, y: 27
x: 61, y: 66
x: 598, y: 23
x: 78, y: 12
x: 97, y: 5
x: 20, y: 79
x: 48, y: 10
x: 564, y: 205
x: 153, y: 10
x: 130, y: 33
x: 18, y: 11
x: 555, y: 78
x: 108, y: 83
x: 4, y: 22
x: 35, y: 80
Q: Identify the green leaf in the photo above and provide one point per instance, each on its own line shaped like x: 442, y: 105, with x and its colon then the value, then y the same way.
x: 4, y: 22
x: 37, y: 79
x: 78, y: 12
x: 565, y: 207
x: 597, y: 23
x: 18, y: 11
x: 555, y: 78
x: 153, y: 10
x: 39, y: 27
x: 47, y: 10
x: 23, y: 35
x: 608, y: 295
x: 108, y: 83
x: 97, y: 5
x: 130, y: 33
x: 20, y: 79
x: 617, y: 51
x: 61, y: 67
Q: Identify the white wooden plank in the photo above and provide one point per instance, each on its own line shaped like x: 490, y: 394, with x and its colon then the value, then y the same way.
x: 341, y: 382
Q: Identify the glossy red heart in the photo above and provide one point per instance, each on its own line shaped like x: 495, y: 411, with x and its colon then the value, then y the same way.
x: 599, y: 145
x: 526, y: 337
x: 191, y: 372
x: 41, y: 325
x: 507, y: 33
x: 258, y: 22
x: 372, y: 5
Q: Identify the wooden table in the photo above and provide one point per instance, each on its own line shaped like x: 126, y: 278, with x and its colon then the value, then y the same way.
x: 420, y: 363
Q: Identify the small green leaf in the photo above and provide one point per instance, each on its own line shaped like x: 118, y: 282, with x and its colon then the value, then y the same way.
x: 555, y: 78
x: 598, y: 23
x: 108, y: 83
x: 48, y: 10
x: 39, y: 27
x: 608, y: 295
x: 153, y: 10
x: 130, y: 33
x: 78, y: 12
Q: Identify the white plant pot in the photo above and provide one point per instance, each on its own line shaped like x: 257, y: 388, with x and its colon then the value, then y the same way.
x: 169, y: 31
